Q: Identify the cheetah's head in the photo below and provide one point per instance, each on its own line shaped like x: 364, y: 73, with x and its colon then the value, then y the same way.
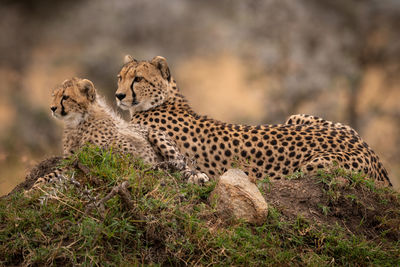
x: 143, y: 85
x: 70, y: 101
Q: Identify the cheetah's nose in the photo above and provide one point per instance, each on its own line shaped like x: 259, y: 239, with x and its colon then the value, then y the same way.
x: 53, y: 109
x: 120, y: 96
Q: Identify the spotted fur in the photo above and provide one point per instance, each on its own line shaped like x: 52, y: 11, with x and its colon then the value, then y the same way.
x: 146, y: 89
x: 306, y: 119
x: 88, y: 120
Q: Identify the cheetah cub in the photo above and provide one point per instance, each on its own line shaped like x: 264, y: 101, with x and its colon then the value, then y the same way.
x: 88, y: 119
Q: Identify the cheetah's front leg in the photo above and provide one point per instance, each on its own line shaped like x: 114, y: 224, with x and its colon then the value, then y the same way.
x: 173, y: 158
x: 54, y: 176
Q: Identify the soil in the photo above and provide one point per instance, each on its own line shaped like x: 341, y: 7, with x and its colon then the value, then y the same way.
x: 367, y: 213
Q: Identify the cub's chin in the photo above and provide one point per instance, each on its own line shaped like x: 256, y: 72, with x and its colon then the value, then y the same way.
x: 72, y: 119
x: 56, y: 115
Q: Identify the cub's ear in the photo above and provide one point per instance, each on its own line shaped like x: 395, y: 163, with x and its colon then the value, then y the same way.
x: 87, y: 88
x: 161, y: 64
x: 128, y: 59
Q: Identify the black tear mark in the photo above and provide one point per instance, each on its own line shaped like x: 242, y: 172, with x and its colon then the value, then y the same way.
x: 63, y: 113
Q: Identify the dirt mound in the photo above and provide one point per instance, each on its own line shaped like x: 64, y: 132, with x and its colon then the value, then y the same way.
x: 119, y: 211
x: 42, y: 168
x: 349, y: 200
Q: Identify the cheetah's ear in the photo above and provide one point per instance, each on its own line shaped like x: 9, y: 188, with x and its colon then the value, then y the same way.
x: 129, y: 58
x: 161, y: 64
x: 87, y: 88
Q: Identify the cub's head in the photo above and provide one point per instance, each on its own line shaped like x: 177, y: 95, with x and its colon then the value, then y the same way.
x: 143, y: 85
x: 70, y: 101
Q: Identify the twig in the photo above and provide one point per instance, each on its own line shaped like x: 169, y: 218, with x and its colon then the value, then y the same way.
x: 92, y: 202
x: 121, y: 190
x: 124, y: 193
x: 82, y: 167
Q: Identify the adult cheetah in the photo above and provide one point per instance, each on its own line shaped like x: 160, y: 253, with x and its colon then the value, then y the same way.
x: 148, y: 91
x: 87, y: 119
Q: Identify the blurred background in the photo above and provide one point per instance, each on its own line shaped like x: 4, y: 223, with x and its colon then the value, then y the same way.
x: 239, y: 61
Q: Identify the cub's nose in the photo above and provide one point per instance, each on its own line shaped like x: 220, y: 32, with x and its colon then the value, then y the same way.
x: 120, y: 96
x: 53, y: 108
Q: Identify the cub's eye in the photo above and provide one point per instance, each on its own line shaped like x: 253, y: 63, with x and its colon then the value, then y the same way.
x: 119, y: 78
x: 65, y: 97
x: 138, y: 79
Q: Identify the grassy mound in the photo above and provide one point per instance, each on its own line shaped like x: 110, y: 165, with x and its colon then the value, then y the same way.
x: 117, y: 211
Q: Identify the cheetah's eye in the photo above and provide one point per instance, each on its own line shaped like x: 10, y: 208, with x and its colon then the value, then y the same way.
x: 119, y: 77
x: 65, y: 97
x: 138, y: 79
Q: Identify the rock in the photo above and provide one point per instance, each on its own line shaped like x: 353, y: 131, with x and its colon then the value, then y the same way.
x: 236, y: 196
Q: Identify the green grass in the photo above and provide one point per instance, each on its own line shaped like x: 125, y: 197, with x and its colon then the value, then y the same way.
x: 170, y: 223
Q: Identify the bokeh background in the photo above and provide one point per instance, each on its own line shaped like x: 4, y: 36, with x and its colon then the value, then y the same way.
x: 238, y: 61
